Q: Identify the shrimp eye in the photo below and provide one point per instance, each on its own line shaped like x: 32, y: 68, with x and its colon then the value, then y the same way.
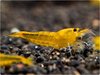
x: 75, y: 30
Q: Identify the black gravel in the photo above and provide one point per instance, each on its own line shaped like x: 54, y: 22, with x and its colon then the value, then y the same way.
x: 48, y: 60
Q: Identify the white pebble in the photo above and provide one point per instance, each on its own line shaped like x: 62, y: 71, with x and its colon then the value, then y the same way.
x: 14, y: 30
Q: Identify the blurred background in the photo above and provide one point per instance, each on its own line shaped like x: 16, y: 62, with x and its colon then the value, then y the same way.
x: 49, y: 15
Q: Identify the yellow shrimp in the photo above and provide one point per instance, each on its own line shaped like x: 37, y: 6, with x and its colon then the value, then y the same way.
x: 57, y: 40
x: 10, y: 59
